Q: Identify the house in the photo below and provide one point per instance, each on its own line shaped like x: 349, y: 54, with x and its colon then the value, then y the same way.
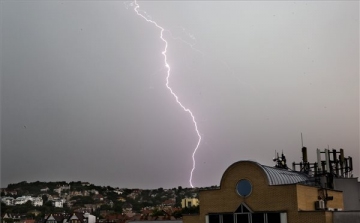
x: 27, y: 221
x: 118, y: 218
x: 92, y: 207
x: 76, y: 193
x: 121, y: 199
x: 9, y: 201
x: 10, y: 192
x: 58, y: 190
x: 169, y: 203
x: 119, y: 191
x: 56, y: 218
x: 94, y: 191
x: 85, y: 184
x: 22, y: 200
x: 84, y: 210
x: 133, y: 195
x: 38, y: 201
x: 58, y: 203
x: 45, y: 189
x: 127, y: 207
x: 65, y: 187
x: 14, y: 217
x: 98, y: 197
x: 34, y: 212
x: 104, y: 213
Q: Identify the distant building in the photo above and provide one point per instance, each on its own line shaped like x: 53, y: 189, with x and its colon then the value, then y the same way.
x: 58, y: 190
x: 56, y: 218
x: 45, y: 189
x: 58, y: 203
x: 9, y: 201
x: 38, y: 201
x: 85, y: 184
x: 189, y: 202
x: 22, y: 200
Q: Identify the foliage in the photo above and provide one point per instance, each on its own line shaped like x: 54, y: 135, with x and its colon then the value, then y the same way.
x: 8, y: 220
x: 105, y: 207
x: 118, y: 206
x: 44, y: 198
x: 177, y: 214
x: 191, y: 210
x: 82, y: 200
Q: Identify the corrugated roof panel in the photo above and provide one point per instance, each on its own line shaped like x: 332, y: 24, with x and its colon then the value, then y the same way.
x: 277, y: 176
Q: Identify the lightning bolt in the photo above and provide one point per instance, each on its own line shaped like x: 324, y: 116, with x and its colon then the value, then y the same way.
x: 136, y: 9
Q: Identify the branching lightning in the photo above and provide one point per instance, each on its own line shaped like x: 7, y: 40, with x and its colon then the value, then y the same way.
x: 136, y: 9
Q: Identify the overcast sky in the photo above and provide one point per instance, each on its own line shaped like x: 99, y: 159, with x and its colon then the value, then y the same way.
x: 83, y: 93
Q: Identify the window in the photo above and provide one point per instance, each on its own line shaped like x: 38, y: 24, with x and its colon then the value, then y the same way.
x: 244, y: 188
x: 214, y: 218
x: 242, y: 208
x: 258, y: 218
x: 228, y: 218
x: 242, y: 218
x: 189, y: 204
x: 245, y: 217
x: 273, y: 217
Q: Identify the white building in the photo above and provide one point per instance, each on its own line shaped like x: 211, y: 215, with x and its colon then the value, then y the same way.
x: 38, y: 201
x: 58, y: 203
x: 22, y: 200
x: 44, y: 189
x: 9, y: 201
x: 65, y: 187
x: 90, y: 218
x: 58, y: 190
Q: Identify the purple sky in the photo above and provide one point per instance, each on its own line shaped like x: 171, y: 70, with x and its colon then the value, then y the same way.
x: 83, y: 93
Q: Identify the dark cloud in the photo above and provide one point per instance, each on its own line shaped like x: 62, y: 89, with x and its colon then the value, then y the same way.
x: 83, y: 93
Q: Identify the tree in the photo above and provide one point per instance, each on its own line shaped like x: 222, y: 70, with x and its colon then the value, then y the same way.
x: 105, y: 207
x: 160, y: 189
x: 44, y: 198
x: 156, y: 213
x: 48, y: 204
x: 177, y: 214
x: 30, y: 216
x: 4, y: 208
x: 118, y: 206
x: 8, y: 220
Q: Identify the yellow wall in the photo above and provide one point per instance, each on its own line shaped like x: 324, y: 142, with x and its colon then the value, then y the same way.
x: 264, y: 198
x: 307, y: 196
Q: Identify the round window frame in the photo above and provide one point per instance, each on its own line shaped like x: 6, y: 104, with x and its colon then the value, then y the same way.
x: 237, y: 190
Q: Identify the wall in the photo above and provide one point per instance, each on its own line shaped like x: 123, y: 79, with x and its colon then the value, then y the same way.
x: 350, y: 188
x: 307, y: 195
x: 344, y: 216
x: 263, y: 198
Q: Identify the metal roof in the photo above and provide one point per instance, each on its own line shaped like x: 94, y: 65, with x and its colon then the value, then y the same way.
x: 277, y: 176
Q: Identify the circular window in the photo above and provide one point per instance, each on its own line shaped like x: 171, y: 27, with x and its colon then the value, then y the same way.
x: 244, y: 188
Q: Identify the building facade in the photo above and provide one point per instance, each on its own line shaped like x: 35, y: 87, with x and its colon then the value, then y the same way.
x: 189, y: 202
x: 253, y: 193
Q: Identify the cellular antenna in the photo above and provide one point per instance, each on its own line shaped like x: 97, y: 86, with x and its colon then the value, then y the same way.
x: 302, y: 143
